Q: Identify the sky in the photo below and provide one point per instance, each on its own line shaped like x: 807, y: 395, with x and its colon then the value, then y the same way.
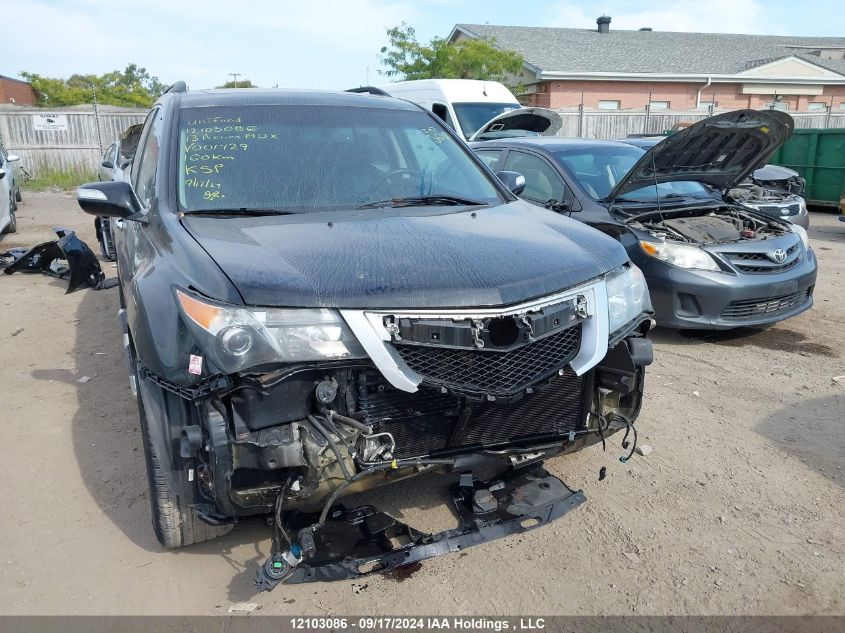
x: 332, y: 44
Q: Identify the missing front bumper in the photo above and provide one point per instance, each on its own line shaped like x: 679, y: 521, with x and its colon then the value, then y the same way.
x: 359, y: 541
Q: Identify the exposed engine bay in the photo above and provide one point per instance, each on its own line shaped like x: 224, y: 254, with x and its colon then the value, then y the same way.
x: 726, y: 224
x: 767, y: 199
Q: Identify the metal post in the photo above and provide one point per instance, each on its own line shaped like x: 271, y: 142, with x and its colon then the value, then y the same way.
x: 711, y: 109
x: 581, y: 117
x: 647, y: 114
x: 829, y: 112
x: 97, y: 118
x: 235, y: 76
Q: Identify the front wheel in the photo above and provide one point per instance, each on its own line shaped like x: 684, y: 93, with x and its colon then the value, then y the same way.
x: 172, y: 493
x: 12, y: 226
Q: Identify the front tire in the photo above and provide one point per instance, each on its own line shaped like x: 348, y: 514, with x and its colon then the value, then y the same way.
x: 12, y: 226
x: 172, y: 496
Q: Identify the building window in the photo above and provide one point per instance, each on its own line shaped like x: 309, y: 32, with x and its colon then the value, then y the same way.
x: 706, y: 104
x: 659, y: 105
x: 842, y: 106
x: 608, y: 105
x: 817, y: 105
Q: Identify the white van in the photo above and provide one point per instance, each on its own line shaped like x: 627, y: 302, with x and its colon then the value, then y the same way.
x: 465, y: 104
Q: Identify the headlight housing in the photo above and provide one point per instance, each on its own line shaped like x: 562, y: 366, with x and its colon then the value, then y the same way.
x: 237, y: 338
x: 627, y: 296
x: 681, y: 255
x: 802, y: 233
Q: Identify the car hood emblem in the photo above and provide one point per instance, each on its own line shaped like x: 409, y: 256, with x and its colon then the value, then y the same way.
x: 778, y: 256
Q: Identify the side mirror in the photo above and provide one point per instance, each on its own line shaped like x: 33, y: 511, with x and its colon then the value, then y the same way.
x: 2, y: 174
x: 113, y: 199
x: 560, y: 206
x: 107, y: 164
x: 12, y: 158
x: 513, y: 180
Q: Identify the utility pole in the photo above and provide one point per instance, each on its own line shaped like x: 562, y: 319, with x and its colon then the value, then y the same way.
x: 235, y: 76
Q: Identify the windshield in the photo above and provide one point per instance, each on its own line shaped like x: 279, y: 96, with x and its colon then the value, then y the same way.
x: 599, y: 169
x: 314, y: 158
x: 472, y: 116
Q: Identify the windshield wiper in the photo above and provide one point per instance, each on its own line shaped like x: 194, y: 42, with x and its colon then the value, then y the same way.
x: 421, y: 201
x: 243, y: 211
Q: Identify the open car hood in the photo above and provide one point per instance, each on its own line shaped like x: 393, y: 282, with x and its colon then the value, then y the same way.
x: 720, y: 151
x: 540, y: 121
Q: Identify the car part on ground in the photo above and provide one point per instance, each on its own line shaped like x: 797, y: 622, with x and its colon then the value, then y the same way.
x: 66, y: 258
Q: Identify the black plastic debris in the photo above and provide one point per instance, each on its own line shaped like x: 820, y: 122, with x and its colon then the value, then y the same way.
x: 66, y: 258
x: 354, y: 542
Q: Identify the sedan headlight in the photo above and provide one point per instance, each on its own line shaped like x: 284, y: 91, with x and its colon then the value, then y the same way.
x: 802, y: 233
x: 681, y: 255
x: 238, y: 338
x: 627, y: 296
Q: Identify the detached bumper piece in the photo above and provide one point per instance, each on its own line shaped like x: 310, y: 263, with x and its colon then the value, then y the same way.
x: 359, y: 541
x: 66, y: 258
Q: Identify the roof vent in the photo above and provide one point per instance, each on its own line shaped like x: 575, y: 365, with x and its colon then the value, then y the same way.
x: 645, y: 28
x: 604, y: 23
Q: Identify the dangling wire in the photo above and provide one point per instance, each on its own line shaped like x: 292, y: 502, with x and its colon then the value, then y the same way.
x: 629, y: 427
x: 280, y: 530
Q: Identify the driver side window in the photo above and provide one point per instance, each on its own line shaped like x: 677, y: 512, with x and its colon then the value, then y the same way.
x: 145, y: 178
x: 542, y: 182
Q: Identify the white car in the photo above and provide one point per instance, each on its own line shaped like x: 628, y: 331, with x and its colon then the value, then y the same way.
x: 9, y: 193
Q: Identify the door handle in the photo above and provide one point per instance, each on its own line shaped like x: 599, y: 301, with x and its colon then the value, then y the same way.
x: 118, y: 223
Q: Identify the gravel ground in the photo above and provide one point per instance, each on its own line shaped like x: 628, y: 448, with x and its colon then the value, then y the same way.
x: 740, y: 508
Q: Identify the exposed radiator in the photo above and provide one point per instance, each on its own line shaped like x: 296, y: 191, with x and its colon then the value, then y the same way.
x: 427, y: 421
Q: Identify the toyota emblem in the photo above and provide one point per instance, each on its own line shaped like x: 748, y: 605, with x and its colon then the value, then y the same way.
x: 778, y: 256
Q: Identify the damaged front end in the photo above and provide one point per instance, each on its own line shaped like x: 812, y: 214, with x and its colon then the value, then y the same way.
x: 299, y: 407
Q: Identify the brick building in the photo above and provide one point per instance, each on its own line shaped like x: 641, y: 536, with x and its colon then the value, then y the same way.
x: 16, y: 91
x: 619, y: 69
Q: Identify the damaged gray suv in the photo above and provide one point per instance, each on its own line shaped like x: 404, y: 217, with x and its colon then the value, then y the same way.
x: 323, y: 293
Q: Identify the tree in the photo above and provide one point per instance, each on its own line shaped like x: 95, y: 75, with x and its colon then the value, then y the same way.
x: 240, y: 83
x: 405, y: 58
x: 131, y: 87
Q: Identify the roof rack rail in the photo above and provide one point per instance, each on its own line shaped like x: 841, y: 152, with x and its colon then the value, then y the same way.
x: 370, y: 90
x: 179, y: 86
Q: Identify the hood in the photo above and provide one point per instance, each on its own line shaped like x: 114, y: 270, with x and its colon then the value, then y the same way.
x: 720, y: 151
x: 529, y: 121
x: 769, y: 173
x: 420, y: 258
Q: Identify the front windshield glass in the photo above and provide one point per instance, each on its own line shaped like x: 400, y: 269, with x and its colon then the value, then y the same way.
x: 472, y: 116
x: 599, y: 169
x: 315, y: 158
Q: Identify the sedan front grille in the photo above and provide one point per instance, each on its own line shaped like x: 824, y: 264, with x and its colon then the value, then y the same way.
x: 753, y: 308
x: 490, y: 372
x: 760, y: 262
x: 784, y: 209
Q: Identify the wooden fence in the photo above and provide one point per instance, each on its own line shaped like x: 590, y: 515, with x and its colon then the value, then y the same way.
x: 88, y: 133
x: 77, y: 147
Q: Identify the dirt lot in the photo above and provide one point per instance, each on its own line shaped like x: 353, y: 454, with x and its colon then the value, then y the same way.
x: 740, y: 508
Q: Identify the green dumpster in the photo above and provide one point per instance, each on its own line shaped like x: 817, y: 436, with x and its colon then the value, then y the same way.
x: 819, y: 156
